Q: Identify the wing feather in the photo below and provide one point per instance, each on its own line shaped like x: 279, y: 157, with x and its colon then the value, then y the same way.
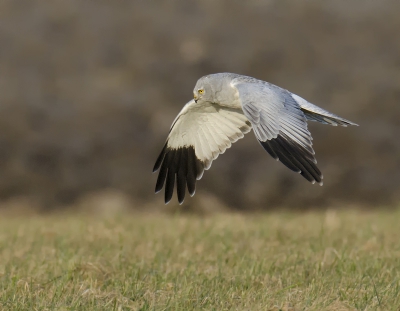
x: 231, y: 131
x: 211, y: 140
x: 280, y: 125
x: 199, y: 134
x: 220, y: 136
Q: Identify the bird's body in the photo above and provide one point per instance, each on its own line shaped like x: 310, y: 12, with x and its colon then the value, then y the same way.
x: 225, y: 107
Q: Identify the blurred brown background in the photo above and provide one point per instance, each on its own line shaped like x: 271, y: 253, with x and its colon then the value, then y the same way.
x: 89, y: 90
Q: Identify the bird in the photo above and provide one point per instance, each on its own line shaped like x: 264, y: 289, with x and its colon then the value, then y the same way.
x: 225, y: 107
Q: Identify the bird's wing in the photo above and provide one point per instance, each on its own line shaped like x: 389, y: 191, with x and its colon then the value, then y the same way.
x: 280, y: 126
x: 197, y: 136
x: 315, y: 113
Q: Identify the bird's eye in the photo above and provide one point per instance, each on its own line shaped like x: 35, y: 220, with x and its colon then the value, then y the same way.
x: 201, y: 91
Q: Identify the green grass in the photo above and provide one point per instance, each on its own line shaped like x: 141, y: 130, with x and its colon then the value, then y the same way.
x: 290, y: 261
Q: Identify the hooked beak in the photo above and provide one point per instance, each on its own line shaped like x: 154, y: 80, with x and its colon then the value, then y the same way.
x: 195, y: 98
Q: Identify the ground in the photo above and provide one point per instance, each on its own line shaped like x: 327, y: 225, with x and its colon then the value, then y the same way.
x: 331, y: 260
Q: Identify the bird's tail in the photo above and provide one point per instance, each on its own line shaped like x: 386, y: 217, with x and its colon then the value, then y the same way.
x: 315, y: 113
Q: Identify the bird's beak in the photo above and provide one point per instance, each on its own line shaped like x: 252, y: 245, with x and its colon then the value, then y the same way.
x: 195, y: 98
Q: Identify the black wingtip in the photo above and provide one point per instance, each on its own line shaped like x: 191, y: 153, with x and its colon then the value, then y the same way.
x: 294, y: 157
x: 160, y: 158
x: 163, y: 172
x: 177, y: 166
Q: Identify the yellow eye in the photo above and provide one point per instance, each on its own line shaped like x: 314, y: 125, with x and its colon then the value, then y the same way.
x: 201, y: 91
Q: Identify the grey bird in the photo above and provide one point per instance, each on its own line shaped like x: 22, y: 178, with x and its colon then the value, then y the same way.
x: 225, y: 107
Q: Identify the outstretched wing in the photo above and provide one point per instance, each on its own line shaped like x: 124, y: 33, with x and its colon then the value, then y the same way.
x: 279, y: 125
x: 197, y: 136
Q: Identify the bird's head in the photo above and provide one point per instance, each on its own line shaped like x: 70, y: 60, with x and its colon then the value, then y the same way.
x: 203, y: 91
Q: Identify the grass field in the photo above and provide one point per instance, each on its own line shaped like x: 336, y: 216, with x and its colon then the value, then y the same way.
x: 345, y: 260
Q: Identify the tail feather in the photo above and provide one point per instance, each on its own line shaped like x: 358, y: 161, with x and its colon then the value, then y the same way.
x: 315, y: 113
x: 330, y: 119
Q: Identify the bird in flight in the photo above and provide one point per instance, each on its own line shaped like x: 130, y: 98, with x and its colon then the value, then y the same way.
x: 225, y: 107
